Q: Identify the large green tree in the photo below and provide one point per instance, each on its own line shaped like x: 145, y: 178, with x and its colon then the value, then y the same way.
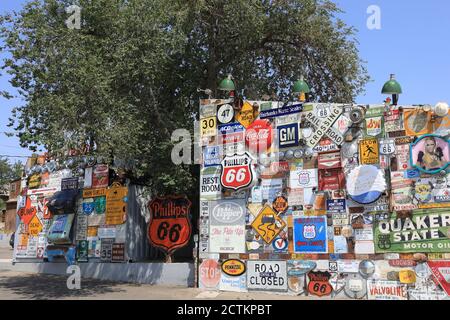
x: 129, y: 76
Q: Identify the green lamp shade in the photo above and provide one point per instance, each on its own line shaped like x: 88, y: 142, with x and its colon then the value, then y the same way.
x: 227, y: 84
x: 300, y: 86
x: 392, y: 87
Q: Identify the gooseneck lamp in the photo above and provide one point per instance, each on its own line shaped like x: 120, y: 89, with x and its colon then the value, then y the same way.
x: 392, y: 87
x: 301, y: 89
x: 227, y: 85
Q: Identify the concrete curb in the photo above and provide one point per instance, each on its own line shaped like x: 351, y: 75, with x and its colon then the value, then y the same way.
x: 176, y: 274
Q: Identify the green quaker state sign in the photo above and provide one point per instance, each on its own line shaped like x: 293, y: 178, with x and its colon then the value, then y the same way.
x: 426, y: 232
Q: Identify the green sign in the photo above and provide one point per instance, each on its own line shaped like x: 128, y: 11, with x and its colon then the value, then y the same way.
x: 374, y: 123
x: 427, y: 232
x: 82, y: 251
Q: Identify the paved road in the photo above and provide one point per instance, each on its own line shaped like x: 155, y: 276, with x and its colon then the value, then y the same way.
x: 19, y: 285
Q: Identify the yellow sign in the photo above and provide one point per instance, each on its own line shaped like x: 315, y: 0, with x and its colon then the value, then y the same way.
x: 35, y: 226
x: 116, y: 206
x: 247, y: 114
x: 91, y: 193
x: 233, y: 267
x: 268, y: 224
x: 407, y: 276
x: 34, y: 181
x: 369, y: 151
x: 92, y: 231
x: 208, y: 126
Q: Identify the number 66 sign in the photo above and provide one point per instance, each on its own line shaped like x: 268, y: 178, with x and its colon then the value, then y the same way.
x: 170, y: 224
x: 237, y: 171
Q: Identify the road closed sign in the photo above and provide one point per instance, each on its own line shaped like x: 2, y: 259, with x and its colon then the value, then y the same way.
x: 267, y: 275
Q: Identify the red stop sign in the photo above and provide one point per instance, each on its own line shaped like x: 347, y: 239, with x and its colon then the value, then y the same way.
x: 209, y: 273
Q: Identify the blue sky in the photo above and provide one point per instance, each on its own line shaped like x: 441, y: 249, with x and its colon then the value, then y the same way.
x: 413, y: 43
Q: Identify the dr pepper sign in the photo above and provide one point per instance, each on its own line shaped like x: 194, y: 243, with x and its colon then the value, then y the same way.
x: 170, y: 225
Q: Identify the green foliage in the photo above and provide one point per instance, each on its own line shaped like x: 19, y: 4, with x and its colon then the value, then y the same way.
x: 8, y: 173
x: 124, y: 81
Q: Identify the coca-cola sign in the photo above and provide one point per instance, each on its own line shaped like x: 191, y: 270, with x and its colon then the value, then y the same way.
x: 258, y: 136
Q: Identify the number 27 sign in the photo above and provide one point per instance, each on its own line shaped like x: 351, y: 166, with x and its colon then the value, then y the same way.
x: 170, y: 225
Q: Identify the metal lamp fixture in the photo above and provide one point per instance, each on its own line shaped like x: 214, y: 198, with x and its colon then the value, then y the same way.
x: 300, y: 89
x: 441, y: 109
x: 392, y: 87
x: 227, y: 85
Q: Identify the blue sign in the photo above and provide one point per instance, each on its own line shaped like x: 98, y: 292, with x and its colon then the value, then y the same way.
x: 281, y: 111
x: 336, y: 206
x: 211, y: 156
x: 288, y: 135
x: 310, y: 235
x: 412, y: 173
x: 230, y: 128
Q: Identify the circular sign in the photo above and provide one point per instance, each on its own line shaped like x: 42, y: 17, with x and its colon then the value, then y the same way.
x: 355, y: 286
x: 258, y: 136
x: 366, y: 184
x: 279, y: 244
x: 209, y: 273
x: 233, y: 267
x: 225, y: 113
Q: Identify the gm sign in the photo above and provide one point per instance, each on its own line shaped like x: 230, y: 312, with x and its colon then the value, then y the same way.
x: 288, y: 135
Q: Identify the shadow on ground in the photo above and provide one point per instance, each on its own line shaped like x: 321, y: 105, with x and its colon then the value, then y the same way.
x: 46, y: 287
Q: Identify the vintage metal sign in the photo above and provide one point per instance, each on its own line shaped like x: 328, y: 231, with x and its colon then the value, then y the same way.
x: 118, y: 252
x: 233, y: 267
x: 310, y: 235
x: 227, y: 226
x: 441, y: 272
x: 324, y: 127
x: 374, y: 122
x: 247, y: 114
x: 231, y: 133
x: 387, y: 147
x: 319, y: 284
x: 225, y: 113
x: 211, y: 156
x: 420, y: 233
x: 288, y: 135
x: 209, y: 274
x: 237, y: 171
x: 170, y: 223
x: 365, y: 184
x: 267, y: 275
x: 369, y: 151
x: 273, y: 113
x: 35, y: 226
x: 430, y: 154
x: 27, y: 212
x: 386, y: 290
x: 208, y: 127
x: 258, y: 136
x: 280, y: 204
x: 116, y: 205
x: 268, y: 224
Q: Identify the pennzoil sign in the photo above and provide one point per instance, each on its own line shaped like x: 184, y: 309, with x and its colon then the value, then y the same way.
x: 233, y: 267
x: 170, y: 225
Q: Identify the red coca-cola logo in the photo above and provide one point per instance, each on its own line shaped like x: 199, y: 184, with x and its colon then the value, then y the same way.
x: 258, y: 136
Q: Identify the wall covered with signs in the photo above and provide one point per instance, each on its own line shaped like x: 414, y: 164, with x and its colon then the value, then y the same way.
x: 329, y: 200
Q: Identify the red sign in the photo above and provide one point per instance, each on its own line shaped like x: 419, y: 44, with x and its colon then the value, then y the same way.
x: 258, y: 136
x: 209, y: 273
x: 319, y: 284
x: 170, y: 225
x: 333, y: 179
x: 441, y: 271
x: 27, y: 213
x: 237, y: 171
x: 402, y: 263
x: 100, y: 176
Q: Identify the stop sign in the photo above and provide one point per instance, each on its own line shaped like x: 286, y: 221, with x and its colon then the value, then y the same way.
x: 209, y: 273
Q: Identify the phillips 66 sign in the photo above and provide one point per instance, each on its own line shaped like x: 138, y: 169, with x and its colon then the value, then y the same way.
x: 170, y: 225
x: 237, y: 171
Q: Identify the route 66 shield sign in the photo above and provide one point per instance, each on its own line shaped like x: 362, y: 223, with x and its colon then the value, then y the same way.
x: 237, y: 171
x: 387, y: 147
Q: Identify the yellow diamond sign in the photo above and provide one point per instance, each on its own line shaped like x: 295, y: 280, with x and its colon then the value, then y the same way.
x: 247, y: 114
x: 35, y: 226
x: 268, y: 224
